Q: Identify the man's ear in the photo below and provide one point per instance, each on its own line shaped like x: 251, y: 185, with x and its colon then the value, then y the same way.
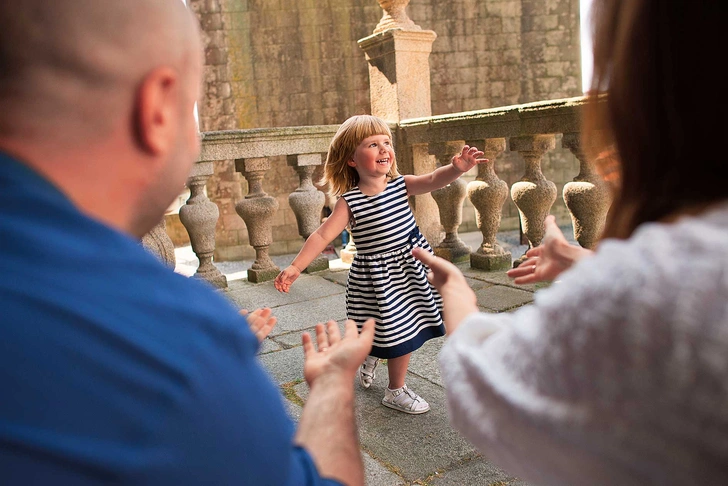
x: 157, y: 105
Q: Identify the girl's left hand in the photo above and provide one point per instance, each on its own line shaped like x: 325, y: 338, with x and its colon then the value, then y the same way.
x: 468, y: 158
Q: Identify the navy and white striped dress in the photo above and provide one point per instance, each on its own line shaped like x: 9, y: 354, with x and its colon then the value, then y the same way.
x: 385, y: 281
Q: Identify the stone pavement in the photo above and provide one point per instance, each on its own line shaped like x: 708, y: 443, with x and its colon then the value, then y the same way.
x: 398, y: 449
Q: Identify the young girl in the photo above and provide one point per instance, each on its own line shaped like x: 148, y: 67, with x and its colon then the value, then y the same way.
x: 385, y: 282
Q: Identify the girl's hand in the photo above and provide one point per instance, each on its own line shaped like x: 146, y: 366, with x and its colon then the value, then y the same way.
x: 260, y: 322
x: 467, y: 158
x: 336, y: 355
x: 284, y: 279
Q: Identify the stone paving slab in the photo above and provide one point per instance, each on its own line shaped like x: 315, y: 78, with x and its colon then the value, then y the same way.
x: 284, y: 366
x: 413, y: 446
x: 424, y: 361
x: 500, y: 298
x: 338, y: 277
x: 268, y: 346
x: 476, y: 471
x: 375, y: 473
x: 305, y: 315
x: 308, y: 287
x: 495, y: 278
x: 293, y: 339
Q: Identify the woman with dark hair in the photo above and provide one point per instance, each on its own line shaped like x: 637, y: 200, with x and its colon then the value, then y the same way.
x: 618, y: 374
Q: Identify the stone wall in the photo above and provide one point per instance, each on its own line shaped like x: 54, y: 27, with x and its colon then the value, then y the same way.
x: 273, y: 63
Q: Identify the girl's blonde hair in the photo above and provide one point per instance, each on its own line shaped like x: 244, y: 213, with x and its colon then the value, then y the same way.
x: 339, y: 176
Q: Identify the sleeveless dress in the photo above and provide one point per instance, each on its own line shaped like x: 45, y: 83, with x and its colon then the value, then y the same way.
x: 385, y: 281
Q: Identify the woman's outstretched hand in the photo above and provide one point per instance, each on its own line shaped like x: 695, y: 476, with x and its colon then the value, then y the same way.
x: 260, y: 321
x: 336, y: 355
x: 468, y: 158
x: 549, y: 259
x: 458, y: 298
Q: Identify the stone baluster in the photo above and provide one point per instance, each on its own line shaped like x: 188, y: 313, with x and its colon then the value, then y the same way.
x: 488, y: 193
x: 199, y: 217
x: 533, y: 194
x: 588, y: 197
x: 159, y: 244
x: 307, y: 202
x: 257, y: 209
x: 449, y: 201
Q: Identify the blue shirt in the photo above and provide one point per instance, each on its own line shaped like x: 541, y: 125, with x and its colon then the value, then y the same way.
x: 115, y: 369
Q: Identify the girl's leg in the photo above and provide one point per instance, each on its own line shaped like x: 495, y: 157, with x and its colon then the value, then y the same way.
x: 398, y: 370
x: 397, y: 395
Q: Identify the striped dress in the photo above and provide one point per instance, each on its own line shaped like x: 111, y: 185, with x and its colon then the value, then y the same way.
x: 385, y: 281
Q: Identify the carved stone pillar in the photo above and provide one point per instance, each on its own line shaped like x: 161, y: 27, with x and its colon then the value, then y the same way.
x: 257, y: 210
x: 399, y: 85
x: 159, y: 244
x: 399, y: 68
x: 199, y: 216
x: 307, y: 202
x: 488, y: 193
x: 588, y: 197
x: 533, y: 194
x: 449, y: 201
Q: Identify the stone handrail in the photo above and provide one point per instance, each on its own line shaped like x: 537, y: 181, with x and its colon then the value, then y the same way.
x: 530, y: 130
x: 527, y: 129
x: 251, y: 150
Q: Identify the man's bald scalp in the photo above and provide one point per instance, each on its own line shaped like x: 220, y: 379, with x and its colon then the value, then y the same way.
x: 75, y: 63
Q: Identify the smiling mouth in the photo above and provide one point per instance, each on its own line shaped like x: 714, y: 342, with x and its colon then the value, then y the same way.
x: 383, y: 161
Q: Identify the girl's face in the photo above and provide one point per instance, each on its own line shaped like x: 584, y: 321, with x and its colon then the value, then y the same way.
x: 374, y: 156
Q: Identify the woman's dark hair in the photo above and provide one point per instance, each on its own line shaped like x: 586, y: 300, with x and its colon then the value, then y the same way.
x: 659, y: 63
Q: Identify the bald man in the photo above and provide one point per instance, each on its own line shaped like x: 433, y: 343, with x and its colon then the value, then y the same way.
x: 112, y: 367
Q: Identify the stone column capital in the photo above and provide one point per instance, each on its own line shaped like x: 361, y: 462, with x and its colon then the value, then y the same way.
x: 383, y: 43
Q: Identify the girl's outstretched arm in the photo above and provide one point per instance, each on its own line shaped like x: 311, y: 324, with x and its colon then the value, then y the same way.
x: 315, y: 244
x: 442, y: 176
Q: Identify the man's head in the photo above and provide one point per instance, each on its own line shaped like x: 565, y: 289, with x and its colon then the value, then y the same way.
x: 98, y: 97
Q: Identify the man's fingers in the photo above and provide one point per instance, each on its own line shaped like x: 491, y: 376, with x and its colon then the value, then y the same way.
x: 334, y: 333
x: 524, y: 268
x: 322, y: 341
x: 350, y: 329
x: 367, y: 331
x: 307, y: 344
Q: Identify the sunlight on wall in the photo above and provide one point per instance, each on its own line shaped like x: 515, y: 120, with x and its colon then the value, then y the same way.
x: 586, y: 45
x: 197, y: 120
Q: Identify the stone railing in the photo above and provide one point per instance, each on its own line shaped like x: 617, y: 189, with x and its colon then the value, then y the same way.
x: 252, y: 150
x: 530, y: 130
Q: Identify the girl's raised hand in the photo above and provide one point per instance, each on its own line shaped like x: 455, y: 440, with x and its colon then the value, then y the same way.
x: 468, y: 158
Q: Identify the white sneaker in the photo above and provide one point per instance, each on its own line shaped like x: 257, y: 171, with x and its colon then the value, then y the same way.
x: 405, y: 400
x: 366, y: 371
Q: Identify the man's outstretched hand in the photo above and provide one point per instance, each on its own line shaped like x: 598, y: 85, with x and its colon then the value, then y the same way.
x: 335, y: 354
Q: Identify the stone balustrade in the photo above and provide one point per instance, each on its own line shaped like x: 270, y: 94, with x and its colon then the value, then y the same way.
x: 422, y: 144
x: 252, y: 151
